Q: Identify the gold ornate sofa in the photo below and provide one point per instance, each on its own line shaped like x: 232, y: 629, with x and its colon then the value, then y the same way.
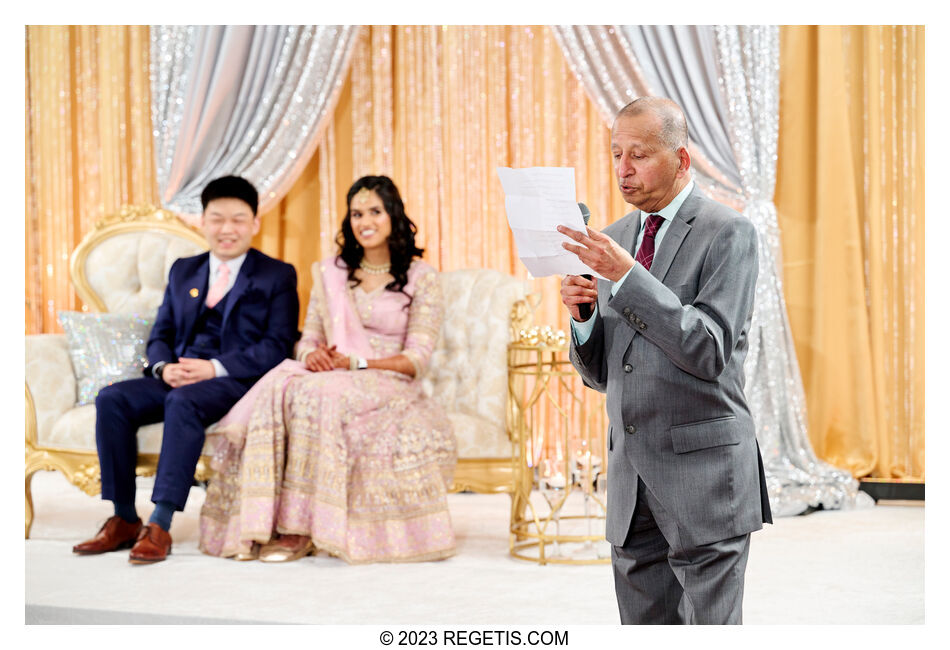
x: 122, y: 266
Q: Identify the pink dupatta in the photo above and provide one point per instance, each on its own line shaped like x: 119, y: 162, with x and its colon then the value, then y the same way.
x: 346, y: 331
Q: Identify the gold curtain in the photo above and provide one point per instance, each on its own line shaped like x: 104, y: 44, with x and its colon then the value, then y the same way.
x: 850, y: 199
x: 438, y: 108
x: 88, y: 148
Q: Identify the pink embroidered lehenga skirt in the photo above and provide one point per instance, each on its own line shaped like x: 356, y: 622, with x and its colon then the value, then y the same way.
x: 359, y: 461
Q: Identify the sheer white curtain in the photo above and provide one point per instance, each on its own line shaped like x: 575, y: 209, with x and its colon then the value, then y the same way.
x: 726, y: 80
x: 246, y: 100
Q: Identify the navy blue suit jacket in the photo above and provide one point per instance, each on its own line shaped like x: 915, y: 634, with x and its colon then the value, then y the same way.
x: 259, y: 327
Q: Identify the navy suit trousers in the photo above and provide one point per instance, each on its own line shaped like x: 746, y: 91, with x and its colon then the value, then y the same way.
x: 125, y: 406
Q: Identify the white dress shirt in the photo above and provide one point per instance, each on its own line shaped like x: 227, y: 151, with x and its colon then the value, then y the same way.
x: 583, y: 329
x: 234, y: 267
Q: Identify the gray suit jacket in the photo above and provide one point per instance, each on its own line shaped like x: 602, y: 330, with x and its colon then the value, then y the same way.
x: 668, y: 350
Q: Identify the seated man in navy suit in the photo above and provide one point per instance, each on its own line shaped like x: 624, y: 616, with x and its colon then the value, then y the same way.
x: 227, y: 317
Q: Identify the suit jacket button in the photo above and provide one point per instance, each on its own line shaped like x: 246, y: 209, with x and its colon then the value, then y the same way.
x: 627, y: 368
x: 643, y: 325
x: 630, y: 429
x: 626, y: 311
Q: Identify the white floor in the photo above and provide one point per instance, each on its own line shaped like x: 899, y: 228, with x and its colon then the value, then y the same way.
x: 861, y: 566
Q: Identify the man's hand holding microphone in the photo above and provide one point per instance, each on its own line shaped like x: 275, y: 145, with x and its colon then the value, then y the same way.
x: 600, y: 253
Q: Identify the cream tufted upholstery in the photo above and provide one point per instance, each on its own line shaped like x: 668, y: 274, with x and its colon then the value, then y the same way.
x: 122, y: 266
x: 468, y: 371
x: 50, y: 378
x: 129, y: 271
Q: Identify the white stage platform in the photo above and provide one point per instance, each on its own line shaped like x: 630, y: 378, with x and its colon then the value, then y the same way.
x: 863, y: 566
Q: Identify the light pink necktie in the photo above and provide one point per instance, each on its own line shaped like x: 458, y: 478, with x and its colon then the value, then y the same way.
x: 219, y: 288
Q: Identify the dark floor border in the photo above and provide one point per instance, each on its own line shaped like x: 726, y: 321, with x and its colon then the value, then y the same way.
x: 880, y: 489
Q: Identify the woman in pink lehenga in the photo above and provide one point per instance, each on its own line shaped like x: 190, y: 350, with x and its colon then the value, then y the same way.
x: 340, y: 449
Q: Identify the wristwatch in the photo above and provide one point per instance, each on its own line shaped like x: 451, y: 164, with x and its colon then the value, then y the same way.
x: 361, y: 363
x: 158, y: 370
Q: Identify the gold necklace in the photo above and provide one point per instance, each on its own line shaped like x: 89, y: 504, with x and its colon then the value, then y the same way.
x: 375, y: 269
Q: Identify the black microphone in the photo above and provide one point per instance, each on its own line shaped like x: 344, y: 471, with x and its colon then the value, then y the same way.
x: 585, y: 309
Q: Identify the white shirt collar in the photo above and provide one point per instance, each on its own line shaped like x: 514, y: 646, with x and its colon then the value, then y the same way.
x: 234, y: 265
x: 672, y: 207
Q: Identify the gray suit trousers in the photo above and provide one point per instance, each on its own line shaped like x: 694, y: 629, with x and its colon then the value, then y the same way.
x: 659, y: 580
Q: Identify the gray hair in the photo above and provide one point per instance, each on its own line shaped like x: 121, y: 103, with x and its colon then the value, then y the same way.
x: 673, y: 131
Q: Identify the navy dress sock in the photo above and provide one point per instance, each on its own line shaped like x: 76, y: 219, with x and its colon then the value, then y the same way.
x: 162, y: 515
x: 126, y: 511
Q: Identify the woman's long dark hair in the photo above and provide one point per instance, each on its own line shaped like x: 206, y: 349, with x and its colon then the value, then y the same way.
x: 402, y: 239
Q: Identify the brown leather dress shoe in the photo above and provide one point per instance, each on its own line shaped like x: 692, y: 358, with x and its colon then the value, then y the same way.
x: 116, y: 533
x: 153, y: 545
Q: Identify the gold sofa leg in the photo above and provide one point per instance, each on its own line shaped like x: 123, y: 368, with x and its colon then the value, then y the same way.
x: 30, y: 421
x: 29, y: 503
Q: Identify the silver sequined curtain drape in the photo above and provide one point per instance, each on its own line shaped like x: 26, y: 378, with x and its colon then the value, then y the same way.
x: 246, y: 100
x: 615, y: 68
x: 726, y: 80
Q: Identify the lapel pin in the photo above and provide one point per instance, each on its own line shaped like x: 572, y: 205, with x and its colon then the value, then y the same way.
x: 193, y: 293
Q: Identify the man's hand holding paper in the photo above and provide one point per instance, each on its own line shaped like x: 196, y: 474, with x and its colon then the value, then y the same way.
x: 598, y: 252
x: 538, y: 200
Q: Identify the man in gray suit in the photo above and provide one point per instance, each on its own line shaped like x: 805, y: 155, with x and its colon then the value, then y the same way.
x: 666, y: 342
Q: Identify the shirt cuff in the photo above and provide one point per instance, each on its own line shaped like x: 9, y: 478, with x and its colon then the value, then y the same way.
x: 219, y: 369
x: 302, y: 352
x: 583, y: 329
x: 614, y: 289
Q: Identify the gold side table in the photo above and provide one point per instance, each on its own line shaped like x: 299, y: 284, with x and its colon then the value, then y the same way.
x: 558, y: 430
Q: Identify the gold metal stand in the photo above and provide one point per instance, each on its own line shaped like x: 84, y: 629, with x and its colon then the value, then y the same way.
x: 558, y: 428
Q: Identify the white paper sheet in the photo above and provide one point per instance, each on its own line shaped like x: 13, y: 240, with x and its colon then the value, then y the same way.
x: 537, y: 201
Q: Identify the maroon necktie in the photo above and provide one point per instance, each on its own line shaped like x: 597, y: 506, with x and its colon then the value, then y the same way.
x: 648, y: 245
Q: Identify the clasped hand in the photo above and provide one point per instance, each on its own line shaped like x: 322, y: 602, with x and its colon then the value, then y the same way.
x: 326, y: 358
x: 187, y: 371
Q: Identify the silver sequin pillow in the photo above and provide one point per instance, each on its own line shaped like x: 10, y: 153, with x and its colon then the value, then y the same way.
x: 105, y: 348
